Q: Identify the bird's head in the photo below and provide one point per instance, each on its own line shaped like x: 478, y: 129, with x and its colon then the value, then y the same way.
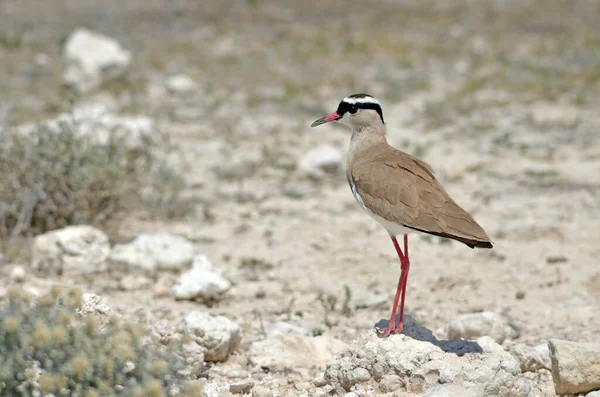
x: 357, y: 111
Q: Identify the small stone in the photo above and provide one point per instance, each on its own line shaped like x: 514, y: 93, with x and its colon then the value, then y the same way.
x: 472, y: 326
x: 520, y: 295
x: 282, y: 327
x: 361, y: 374
x: 201, y: 281
x: 192, y: 353
x: 163, y: 332
x: 320, y: 380
x: 390, y: 383
x: 17, y: 274
x: 180, y: 84
x: 532, y: 358
x: 320, y: 160
x: 218, y: 335
x: 79, y: 248
x: 351, y: 394
x: 593, y: 394
x: 92, y: 59
x: 96, y: 306
x: 575, y: 366
x: 155, y: 251
x: 400, y: 362
x: 244, y: 386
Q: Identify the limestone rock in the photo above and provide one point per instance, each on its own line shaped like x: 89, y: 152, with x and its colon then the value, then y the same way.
x: 18, y: 274
x: 473, y: 325
x: 290, y: 351
x: 201, y: 281
x: 155, y: 251
x: 92, y: 59
x: 217, y: 335
x: 97, y: 307
x: 417, y: 365
x: 575, y: 366
x: 532, y: 358
x: 79, y: 248
x: 180, y: 84
x: 101, y: 126
x: 320, y: 160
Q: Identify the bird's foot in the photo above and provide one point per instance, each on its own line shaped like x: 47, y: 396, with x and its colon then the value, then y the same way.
x: 399, y: 328
x: 386, y: 332
x: 391, y: 330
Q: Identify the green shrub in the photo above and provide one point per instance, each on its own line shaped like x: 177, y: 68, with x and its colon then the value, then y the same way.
x: 54, y: 177
x: 46, y: 347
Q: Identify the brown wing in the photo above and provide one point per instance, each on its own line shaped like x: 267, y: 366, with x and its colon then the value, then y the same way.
x: 403, y: 189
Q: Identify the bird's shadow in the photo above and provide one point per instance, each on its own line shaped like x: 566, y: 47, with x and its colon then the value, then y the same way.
x: 460, y: 347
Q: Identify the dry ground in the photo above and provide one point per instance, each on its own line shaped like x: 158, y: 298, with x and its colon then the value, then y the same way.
x: 501, y: 98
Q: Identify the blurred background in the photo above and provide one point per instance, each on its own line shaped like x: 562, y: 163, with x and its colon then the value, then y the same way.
x: 177, y: 128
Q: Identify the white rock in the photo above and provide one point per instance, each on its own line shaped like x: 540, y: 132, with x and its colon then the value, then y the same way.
x: 593, y: 394
x: 192, y: 353
x: 17, y: 274
x: 97, y: 122
x: 201, y: 281
x: 181, y: 84
x: 473, y: 325
x: 78, y: 248
x: 532, y: 358
x: 390, y: 383
x: 320, y: 160
x: 451, y: 391
x: 97, y: 307
x: 155, y: 251
x: 418, y: 365
x: 282, y: 327
x: 93, y: 59
x: 218, y: 335
x: 288, y: 351
x: 575, y: 366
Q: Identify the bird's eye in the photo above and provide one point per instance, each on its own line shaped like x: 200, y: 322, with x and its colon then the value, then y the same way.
x: 353, y: 110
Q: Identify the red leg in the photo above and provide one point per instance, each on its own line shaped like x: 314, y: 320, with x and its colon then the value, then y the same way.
x: 404, y: 268
x: 399, y: 291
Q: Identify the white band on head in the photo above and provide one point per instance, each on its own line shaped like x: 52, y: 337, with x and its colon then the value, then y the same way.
x: 367, y: 99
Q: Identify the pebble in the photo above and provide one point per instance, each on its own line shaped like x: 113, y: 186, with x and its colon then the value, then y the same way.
x: 17, y: 274
x: 181, y: 84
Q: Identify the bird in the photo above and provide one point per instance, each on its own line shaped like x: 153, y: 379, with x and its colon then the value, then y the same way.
x: 398, y: 190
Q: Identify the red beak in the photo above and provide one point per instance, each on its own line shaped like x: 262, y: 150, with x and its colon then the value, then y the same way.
x: 330, y: 117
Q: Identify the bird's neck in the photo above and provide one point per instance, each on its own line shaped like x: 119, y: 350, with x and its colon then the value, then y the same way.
x: 365, y: 139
